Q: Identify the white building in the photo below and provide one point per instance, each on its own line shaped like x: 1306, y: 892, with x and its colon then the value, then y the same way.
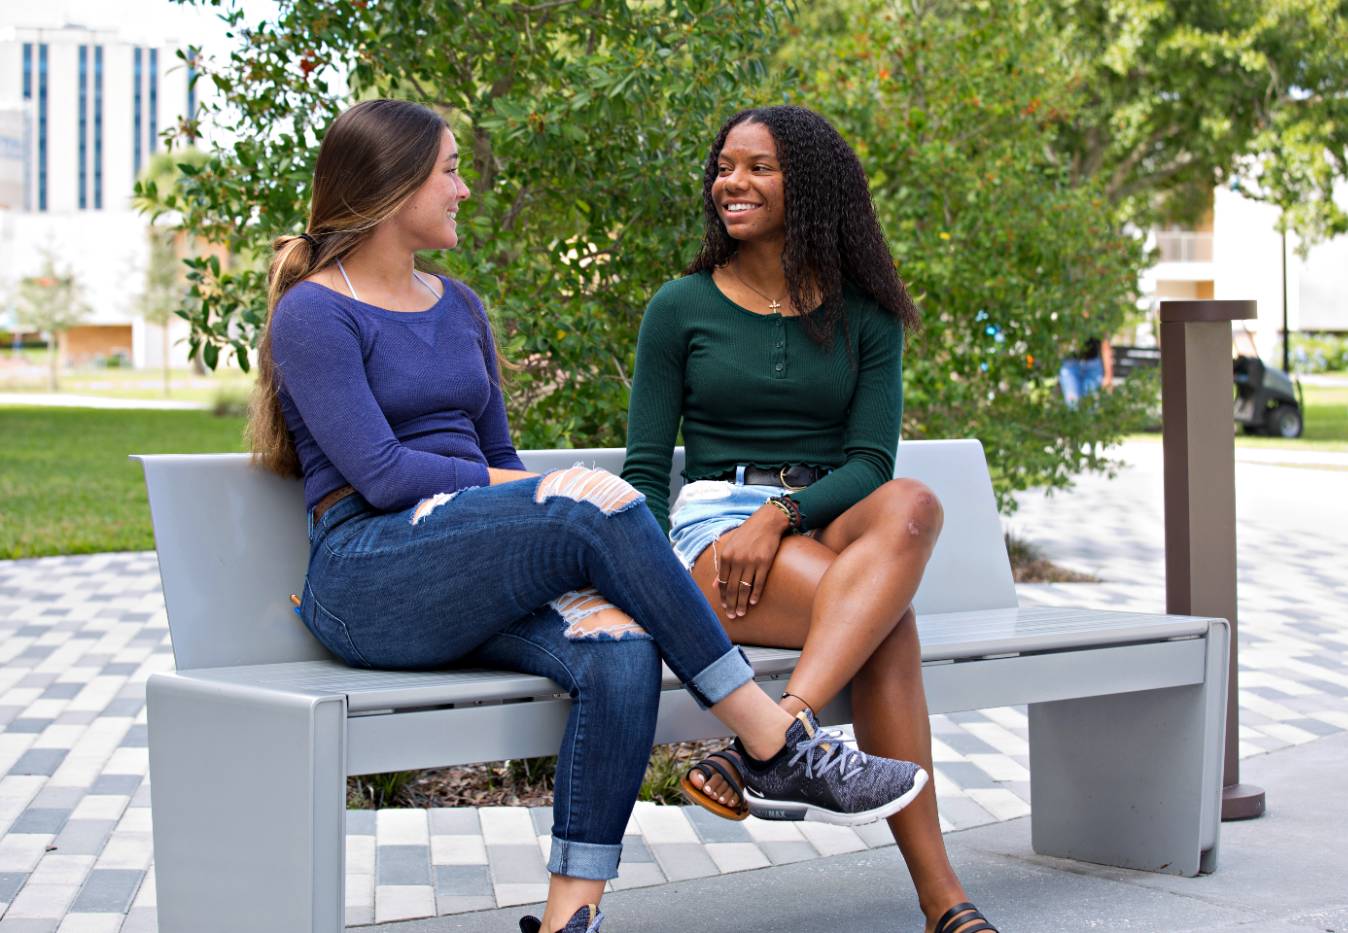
x: 1236, y: 252
x: 82, y: 110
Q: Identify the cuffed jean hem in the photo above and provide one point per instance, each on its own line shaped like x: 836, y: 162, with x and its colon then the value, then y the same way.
x: 720, y: 678
x: 588, y: 860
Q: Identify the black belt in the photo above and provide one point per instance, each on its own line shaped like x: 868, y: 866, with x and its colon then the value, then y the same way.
x: 790, y: 476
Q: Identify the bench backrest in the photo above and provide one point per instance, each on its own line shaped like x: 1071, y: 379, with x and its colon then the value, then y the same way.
x: 232, y: 546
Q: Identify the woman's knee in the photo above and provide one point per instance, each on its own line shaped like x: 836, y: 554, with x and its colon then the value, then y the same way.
x: 912, y: 511
x: 606, y: 491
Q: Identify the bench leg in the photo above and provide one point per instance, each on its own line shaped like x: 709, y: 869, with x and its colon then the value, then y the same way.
x: 248, y: 805
x: 1133, y: 779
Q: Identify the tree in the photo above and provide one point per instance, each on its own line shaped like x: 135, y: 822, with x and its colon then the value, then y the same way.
x: 585, y: 124
x: 954, y: 109
x: 52, y: 302
x: 165, y: 294
x: 1179, y: 97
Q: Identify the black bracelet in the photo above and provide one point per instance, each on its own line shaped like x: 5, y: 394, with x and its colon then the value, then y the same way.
x: 791, y: 509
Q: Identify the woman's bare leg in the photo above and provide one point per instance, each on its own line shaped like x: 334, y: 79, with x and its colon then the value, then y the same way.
x: 838, y: 612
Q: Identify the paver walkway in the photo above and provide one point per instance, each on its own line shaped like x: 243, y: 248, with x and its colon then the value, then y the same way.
x: 79, y: 636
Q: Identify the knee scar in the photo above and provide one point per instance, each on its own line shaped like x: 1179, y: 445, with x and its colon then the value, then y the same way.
x: 588, y: 615
x: 602, y: 489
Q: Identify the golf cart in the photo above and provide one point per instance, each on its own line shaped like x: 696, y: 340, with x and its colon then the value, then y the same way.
x: 1268, y: 401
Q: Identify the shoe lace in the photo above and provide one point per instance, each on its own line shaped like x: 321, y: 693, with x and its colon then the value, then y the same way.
x: 833, y: 753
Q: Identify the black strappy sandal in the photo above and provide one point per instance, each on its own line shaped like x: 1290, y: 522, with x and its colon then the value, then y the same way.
x: 967, y: 913
x: 729, y: 772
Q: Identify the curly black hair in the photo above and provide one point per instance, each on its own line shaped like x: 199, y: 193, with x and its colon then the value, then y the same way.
x: 832, y: 235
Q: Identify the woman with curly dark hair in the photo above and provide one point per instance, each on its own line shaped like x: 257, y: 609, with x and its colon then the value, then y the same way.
x: 779, y: 354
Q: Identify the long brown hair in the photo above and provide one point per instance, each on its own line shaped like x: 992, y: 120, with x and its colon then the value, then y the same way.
x: 373, y: 158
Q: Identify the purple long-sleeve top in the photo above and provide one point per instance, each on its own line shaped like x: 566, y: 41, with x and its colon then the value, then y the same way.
x: 400, y: 405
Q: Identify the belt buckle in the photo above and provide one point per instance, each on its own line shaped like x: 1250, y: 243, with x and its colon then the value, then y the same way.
x: 781, y: 475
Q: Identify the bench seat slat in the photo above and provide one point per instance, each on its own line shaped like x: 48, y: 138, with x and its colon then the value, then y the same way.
x: 946, y: 636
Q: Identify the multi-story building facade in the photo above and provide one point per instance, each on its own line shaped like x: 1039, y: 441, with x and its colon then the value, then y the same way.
x: 1237, y: 252
x: 82, y: 111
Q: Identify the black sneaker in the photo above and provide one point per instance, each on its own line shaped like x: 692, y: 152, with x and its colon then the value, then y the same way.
x: 817, y: 776
x: 585, y: 920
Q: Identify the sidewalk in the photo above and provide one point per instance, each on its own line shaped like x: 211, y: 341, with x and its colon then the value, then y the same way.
x: 66, y: 400
x: 1283, y: 873
x: 79, y: 636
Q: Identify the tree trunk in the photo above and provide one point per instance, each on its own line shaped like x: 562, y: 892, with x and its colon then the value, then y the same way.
x: 54, y: 358
x: 165, y: 360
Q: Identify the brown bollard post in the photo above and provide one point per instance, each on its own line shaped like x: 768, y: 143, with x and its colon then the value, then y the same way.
x: 1200, y: 492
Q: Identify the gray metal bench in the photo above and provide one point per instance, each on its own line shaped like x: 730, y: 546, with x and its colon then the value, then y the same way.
x: 254, y: 734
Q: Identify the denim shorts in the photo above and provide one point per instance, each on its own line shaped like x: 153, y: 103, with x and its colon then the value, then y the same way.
x: 707, y: 509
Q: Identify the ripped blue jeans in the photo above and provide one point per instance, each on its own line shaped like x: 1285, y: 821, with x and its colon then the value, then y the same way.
x: 510, y: 577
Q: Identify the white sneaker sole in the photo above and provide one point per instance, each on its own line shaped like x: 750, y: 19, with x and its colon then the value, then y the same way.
x: 794, y: 810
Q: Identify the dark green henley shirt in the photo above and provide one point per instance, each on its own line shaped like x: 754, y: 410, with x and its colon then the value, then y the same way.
x: 755, y: 389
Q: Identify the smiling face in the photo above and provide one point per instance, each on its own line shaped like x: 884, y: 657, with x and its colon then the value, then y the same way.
x: 748, y: 192
x: 428, y: 217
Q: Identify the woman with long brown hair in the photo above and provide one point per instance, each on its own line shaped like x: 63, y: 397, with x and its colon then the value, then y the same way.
x: 430, y: 545
x: 778, y: 355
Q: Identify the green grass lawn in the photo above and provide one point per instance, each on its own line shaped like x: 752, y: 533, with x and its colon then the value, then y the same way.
x: 1325, y: 418
x: 66, y: 484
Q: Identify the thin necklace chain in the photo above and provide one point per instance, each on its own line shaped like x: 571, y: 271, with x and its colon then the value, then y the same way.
x: 774, y: 305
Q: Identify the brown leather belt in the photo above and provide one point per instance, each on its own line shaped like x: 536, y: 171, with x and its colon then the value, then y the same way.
x: 331, y: 499
x: 789, y: 476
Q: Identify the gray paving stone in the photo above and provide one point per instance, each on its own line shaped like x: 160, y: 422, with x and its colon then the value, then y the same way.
x: 15, y: 925
x: 517, y: 865
x: 58, y: 798
x: 119, y: 668
x: 1314, y: 726
x: 142, y: 797
x: 875, y: 834
x: 403, y: 864
x: 123, y: 785
x: 38, y: 679
x: 454, y: 821
x: 780, y: 853
x: 639, y: 875
x: 32, y: 631
x: 27, y: 725
x: 542, y: 817
x: 9, y: 713
x: 461, y: 904
x: 967, y: 744
x: 713, y: 828
x: 141, y: 920
x: 62, y: 691
x: 126, y: 707
x: 41, y: 821
x: 963, y: 812
x: 39, y: 761
x: 136, y: 737
x: 76, y: 717
x: 683, y: 860
x: 108, y: 891
x: 84, y: 837
x: 635, y: 850
x: 10, y: 882
x: 360, y: 822
x: 463, y: 880
x: 966, y: 774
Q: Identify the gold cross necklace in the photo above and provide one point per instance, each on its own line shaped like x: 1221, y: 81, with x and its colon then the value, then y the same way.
x: 774, y: 305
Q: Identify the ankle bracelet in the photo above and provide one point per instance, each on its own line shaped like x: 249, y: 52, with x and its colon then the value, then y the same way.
x: 786, y: 694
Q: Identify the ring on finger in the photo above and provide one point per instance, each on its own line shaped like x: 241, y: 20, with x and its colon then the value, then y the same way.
x: 746, y: 583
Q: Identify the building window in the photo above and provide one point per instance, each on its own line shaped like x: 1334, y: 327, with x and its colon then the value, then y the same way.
x: 137, y: 82
x: 98, y: 127
x: 84, y: 127
x: 42, y: 126
x: 192, y: 53
x: 153, y: 137
x: 27, y: 157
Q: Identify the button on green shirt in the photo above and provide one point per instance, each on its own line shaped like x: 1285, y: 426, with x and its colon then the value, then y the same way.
x: 755, y: 389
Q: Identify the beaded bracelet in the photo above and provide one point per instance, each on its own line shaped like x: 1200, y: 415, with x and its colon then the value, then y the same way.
x: 791, y: 509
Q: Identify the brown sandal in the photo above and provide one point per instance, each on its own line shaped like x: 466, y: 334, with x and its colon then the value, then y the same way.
x: 729, y: 772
